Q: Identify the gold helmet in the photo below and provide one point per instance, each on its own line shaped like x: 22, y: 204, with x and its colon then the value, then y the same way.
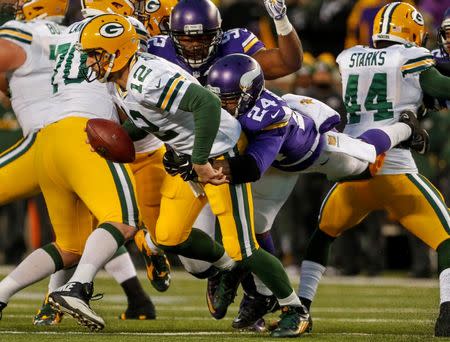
x: 95, y: 7
x: 49, y: 9
x: 155, y: 15
x: 399, y: 22
x: 112, y: 40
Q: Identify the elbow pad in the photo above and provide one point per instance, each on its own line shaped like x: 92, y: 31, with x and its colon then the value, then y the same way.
x: 244, y: 169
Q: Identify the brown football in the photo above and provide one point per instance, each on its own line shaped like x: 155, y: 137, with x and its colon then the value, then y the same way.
x: 110, y: 140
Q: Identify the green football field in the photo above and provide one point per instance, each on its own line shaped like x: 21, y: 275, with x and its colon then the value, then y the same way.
x: 346, y: 309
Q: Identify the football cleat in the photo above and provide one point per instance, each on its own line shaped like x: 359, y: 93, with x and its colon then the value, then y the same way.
x: 157, y: 265
x: 252, y: 309
x: 142, y: 312
x: 442, y: 326
x: 47, y: 315
x: 73, y: 299
x: 2, y: 306
x: 211, y: 288
x: 294, y: 321
x: 226, y: 291
x: 419, y: 140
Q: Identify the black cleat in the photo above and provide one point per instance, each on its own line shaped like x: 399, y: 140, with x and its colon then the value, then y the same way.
x: 142, y: 312
x: 252, y: 309
x: 442, y: 326
x: 419, y: 140
x: 211, y: 288
x: 226, y: 291
x: 2, y: 306
x: 73, y: 299
x: 294, y: 321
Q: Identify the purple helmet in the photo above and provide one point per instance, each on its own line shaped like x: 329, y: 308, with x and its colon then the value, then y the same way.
x: 195, y: 28
x: 442, y: 36
x: 236, y: 77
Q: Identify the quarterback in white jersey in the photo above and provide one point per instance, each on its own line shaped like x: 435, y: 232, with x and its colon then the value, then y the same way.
x: 165, y: 101
x: 378, y: 84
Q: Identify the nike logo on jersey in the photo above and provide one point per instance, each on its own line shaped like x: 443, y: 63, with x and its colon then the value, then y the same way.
x: 273, y: 116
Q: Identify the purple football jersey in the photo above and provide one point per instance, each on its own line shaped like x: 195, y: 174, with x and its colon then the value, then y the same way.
x: 233, y: 41
x: 279, y: 136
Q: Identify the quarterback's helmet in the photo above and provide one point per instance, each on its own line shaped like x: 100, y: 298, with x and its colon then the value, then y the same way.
x: 50, y: 9
x: 444, y: 34
x: 112, y: 40
x: 154, y: 14
x: 95, y: 7
x: 236, y: 78
x: 399, y: 22
x: 195, y: 28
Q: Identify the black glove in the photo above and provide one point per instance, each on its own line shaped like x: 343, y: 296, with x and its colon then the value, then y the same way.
x: 179, y: 164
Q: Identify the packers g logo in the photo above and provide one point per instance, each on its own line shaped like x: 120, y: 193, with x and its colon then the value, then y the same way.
x: 417, y: 17
x: 152, y: 6
x: 111, y: 30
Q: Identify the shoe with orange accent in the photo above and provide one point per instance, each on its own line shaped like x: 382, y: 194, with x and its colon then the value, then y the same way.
x: 375, y: 167
x: 294, y: 321
x: 158, y: 267
x: 141, y: 312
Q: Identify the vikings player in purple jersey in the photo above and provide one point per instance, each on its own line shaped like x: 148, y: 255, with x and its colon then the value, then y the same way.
x: 196, y: 40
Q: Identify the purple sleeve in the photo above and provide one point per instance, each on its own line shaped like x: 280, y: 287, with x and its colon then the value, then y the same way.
x: 240, y: 41
x: 162, y: 46
x: 264, y: 147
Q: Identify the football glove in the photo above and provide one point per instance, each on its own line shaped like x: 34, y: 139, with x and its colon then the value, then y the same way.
x: 179, y: 164
x: 275, y: 8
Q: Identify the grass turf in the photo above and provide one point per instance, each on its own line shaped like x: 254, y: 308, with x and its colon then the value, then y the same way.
x: 346, y: 309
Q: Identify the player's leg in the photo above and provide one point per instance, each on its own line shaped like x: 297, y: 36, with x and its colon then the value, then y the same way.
x: 421, y: 209
x: 17, y: 162
x: 345, y: 205
x: 149, y: 174
x: 233, y: 205
x: 108, y: 191
x: 269, y: 195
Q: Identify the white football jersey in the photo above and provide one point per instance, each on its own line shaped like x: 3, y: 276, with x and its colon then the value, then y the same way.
x: 148, y: 144
x: 377, y: 85
x: 30, y: 83
x: 72, y: 94
x: 154, y: 91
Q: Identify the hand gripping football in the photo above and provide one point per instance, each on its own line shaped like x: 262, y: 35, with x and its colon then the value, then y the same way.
x: 110, y: 140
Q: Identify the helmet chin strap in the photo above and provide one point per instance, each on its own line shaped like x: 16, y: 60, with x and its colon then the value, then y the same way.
x: 104, y: 79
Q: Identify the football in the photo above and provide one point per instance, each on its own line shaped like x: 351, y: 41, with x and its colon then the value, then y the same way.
x: 110, y: 140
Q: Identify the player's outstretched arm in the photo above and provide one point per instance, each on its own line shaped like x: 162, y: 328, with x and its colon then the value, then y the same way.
x: 435, y: 84
x: 288, y: 57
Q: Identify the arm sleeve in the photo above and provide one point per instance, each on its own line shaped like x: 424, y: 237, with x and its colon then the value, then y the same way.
x: 206, y: 108
x: 435, y: 84
x: 17, y: 32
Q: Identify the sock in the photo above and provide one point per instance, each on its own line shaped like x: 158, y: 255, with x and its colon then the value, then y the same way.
x: 444, y: 285
x: 292, y: 299
x: 265, y: 241
x: 271, y: 272
x: 260, y: 287
x: 310, y: 275
x: 443, y: 252
x: 384, y: 138
x: 38, y: 265
x: 319, y: 247
x: 100, y: 247
x: 136, y: 295
x: 151, y: 244
x: 120, y: 267
x: 198, y: 245
x: 225, y: 262
x: 59, y: 278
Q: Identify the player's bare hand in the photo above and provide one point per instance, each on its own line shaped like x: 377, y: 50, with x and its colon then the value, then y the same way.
x: 223, y: 165
x: 88, y: 142
x: 207, y: 174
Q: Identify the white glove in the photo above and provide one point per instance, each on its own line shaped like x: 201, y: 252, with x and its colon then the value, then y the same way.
x: 275, y: 8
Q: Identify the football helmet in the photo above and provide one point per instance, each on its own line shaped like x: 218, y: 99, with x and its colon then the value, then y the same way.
x: 90, y: 8
x: 195, y: 28
x: 154, y: 14
x: 238, y: 80
x: 444, y: 35
x: 112, y: 41
x: 38, y: 9
x: 399, y: 22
